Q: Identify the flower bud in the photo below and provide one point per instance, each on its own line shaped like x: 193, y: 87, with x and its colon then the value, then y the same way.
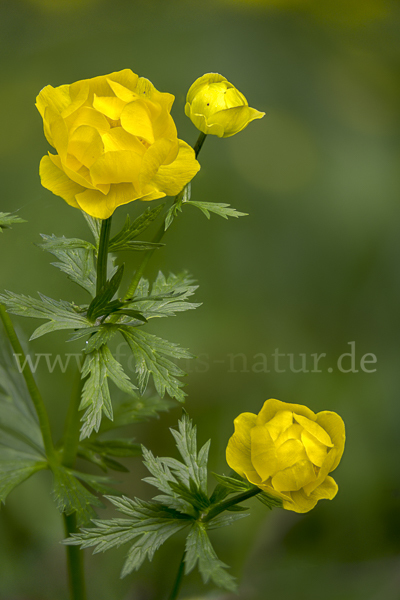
x: 288, y: 451
x: 216, y: 107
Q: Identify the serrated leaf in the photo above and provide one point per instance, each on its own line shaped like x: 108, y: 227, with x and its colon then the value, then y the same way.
x: 167, y: 297
x: 61, y: 314
x: 124, y: 239
x: 141, y: 409
x: 233, y: 484
x: 16, y: 467
x: 99, y: 452
x: 98, y: 306
x: 98, y: 367
x: 269, y: 500
x: 71, y: 496
x: 224, y: 520
x: 176, y: 207
x: 94, y: 226
x: 151, y: 354
x: 9, y: 219
x: 199, y: 551
x: 76, y: 259
x: 148, y: 525
x: 223, y: 210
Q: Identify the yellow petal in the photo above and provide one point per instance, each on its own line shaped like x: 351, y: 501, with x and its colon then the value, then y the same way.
x: 146, y: 89
x: 74, y: 175
x: 122, y: 92
x: 126, y: 77
x: 201, y: 82
x: 172, y: 178
x: 79, y: 93
x: 325, y: 468
x: 263, y: 452
x: 135, y: 119
x: 234, y: 120
x: 316, y: 451
x: 55, y: 180
x: 88, y: 116
x: 291, y: 433
x: 55, y: 98
x: 154, y: 157
x: 101, y: 206
x: 334, y: 425
x: 110, y: 106
x: 119, y: 139
x: 234, y: 98
x: 315, y: 429
x: 86, y: 145
x: 272, y: 406
x: 303, y: 503
x: 289, y: 453
x: 279, y: 423
x: 57, y: 131
x: 200, y: 122
x: 294, y: 477
x: 116, y: 167
x: 238, y: 453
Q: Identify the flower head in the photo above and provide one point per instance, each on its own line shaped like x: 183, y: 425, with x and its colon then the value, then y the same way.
x: 288, y: 451
x: 116, y: 142
x: 216, y: 107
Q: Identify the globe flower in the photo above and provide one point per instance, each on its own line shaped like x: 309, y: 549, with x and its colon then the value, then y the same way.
x: 216, y: 107
x: 116, y: 142
x: 288, y: 451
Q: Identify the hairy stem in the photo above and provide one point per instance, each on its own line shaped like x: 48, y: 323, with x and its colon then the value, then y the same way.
x: 76, y: 575
x: 219, y: 508
x: 103, y: 254
x: 160, y: 233
x: 178, y: 580
x: 31, y: 385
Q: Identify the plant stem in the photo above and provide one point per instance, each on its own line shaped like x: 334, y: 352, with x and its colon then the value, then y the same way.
x: 160, y: 233
x: 75, y: 562
x: 178, y: 580
x: 31, y: 385
x: 71, y: 431
x: 219, y: 508
x: 103, y: 254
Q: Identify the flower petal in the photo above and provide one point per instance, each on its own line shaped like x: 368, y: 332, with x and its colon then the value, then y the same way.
x: 146, y: 89
x: 86, y: 145
x: 316, y: 451
x: 201, y: 82
x: 279, y: 423
x: 234, y: 120
x: 289, y: 453
x: 88, y: 116
x: 172, y: 178
x: 116, y: 167
x: 315, y: 429
x: 119, y: 139
x: 334, y: 425
x: 238, y: 453
x: 272, y: 406
x: 294, y: 477
x: 110, y: 106
x: 55, y: 98
x: 54, y: 179
x: 135, y: 119
x: 303, y: 503
x: 263, y: 452
x: 75, y: 176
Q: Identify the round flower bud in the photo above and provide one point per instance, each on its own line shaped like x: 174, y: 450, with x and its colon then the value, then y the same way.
x: 288, y: 451
x: 216, y: 107
x: 116, y: 142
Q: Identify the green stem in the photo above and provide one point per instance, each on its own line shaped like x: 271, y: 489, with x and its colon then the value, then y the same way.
x: 103, y: 254
x: 75, y: 562
x: 219, y: 508
x: 178, y: 580
x: 160, y: 233
x: 199, y: 143
x: 71, y: 431
x: 31, y: 385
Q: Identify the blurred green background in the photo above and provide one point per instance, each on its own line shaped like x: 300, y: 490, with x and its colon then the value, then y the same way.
x: 313, y: 267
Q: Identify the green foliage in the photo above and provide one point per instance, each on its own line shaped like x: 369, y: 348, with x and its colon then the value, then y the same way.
x: 167, y: 297
x: 71, y: 496
x: 126, y: 238
x: 199, y: 551
x: 76, y: 259
x: 97, y: 368
x: 151, y: 354
x: 101, y: 452
x: 141, y: 408
x: 61, y: 314
x: 223, y: 210
x: 15, y: 467
x: 8, y: 219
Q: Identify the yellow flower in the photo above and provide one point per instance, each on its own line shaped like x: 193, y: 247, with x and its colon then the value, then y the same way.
x: 216, y: 107
x: 288, y: 451
x: 116, y: 142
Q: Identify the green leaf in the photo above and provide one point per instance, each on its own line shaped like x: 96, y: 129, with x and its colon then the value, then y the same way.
x: 94, y: 226
x: 186, y: 443
x: 199, y: 551
x: 8, y: 219
x: 124, y: 239
x: 99, y: 452
x: 76, y: 259
x: 233, y: 484
x: 269, y: 500
x: 223, y: 520
x: 150, y: 354
x: 16, y: 467
x: 148, y: 525
x: 98, y: 306
x: 61, y: 314
x: 98, y: 366
x: 223, y: 210
x: 141, y: 409
x: 176, y: 207
x: 167, y: 297
x: 71, y: 496
x: 19, y: 427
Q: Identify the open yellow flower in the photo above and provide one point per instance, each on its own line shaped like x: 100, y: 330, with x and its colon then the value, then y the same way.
x: 116, y: 142
x: 288, y: 451
x: 216, y: 107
